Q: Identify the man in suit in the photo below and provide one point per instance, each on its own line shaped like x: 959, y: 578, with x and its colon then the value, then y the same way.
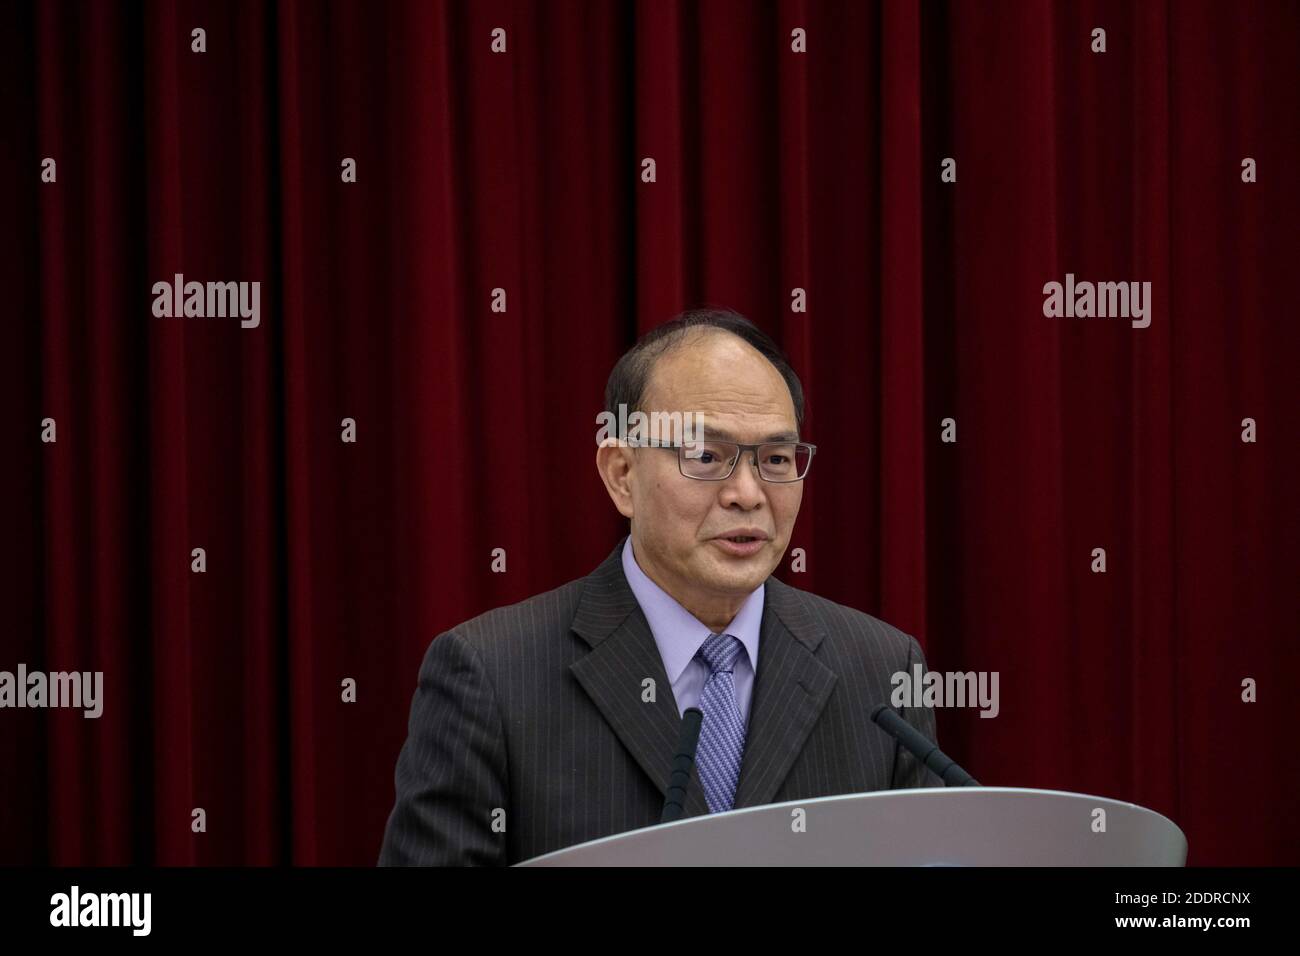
x: 554, y: 721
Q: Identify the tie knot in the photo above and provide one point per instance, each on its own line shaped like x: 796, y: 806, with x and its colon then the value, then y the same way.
x: 720, y: 651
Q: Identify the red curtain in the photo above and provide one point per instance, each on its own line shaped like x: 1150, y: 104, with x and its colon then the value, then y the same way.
x: 521, y: 171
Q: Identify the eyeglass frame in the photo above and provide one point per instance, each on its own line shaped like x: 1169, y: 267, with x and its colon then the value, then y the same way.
x: 741, y: 448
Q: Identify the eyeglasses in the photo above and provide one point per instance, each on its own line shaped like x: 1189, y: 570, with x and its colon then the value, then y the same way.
x: 780, y: 461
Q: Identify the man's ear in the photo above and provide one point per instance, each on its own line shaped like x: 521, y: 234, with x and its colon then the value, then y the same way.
x: 615, y: 463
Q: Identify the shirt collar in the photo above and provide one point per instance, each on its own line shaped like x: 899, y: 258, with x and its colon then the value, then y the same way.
x: 677, y: 631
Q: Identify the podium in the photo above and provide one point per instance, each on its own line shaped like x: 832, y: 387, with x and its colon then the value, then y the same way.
x: 940, y: 826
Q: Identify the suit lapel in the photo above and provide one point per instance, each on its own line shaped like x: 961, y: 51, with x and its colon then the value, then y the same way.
x: 623, y: 654
x: 791, y: 686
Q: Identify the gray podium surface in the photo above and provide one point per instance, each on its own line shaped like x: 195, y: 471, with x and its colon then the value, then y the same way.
x: 958, y: 826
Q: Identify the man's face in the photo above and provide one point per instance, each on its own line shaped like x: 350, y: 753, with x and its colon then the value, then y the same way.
x: 677, y: 521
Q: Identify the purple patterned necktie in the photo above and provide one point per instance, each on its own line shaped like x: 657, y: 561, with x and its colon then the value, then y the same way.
x: 722, y: 737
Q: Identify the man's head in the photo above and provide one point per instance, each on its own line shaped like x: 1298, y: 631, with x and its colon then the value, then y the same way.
x: 716, y: 364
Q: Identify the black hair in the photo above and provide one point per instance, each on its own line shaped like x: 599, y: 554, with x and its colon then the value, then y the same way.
x: 631, y: 374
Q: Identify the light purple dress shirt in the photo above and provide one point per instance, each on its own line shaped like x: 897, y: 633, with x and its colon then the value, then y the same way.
x: 679, y: 634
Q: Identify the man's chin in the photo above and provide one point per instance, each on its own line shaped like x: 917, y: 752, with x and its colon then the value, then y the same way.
x: 740, y: 575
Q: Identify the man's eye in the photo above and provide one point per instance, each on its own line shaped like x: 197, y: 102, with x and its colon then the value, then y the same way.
x: 777, y: 459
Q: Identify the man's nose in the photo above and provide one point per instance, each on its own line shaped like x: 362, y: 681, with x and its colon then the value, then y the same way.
x: 744, y: 485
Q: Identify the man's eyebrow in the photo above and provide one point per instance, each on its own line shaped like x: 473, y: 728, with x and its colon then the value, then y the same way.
x: 721, y: 434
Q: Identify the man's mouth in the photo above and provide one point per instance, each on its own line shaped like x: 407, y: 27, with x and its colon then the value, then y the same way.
x: 743, y: 545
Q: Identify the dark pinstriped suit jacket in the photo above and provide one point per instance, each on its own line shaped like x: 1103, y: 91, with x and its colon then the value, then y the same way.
x: 532, y: 715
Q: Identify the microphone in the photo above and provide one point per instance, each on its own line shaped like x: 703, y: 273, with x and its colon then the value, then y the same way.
x: 922, y: 747
x: 675, y: 798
